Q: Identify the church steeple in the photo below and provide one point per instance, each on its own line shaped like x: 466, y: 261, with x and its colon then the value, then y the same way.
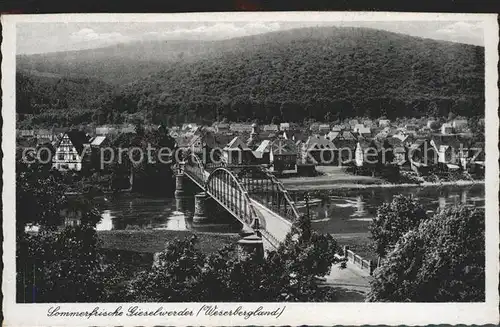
x: 253, y: 140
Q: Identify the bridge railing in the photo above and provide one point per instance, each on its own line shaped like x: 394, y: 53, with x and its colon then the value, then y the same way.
x: 264, y: 187
x: 195, y: 168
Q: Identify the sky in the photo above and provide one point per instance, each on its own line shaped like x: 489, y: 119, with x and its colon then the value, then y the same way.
x: 52, y: 37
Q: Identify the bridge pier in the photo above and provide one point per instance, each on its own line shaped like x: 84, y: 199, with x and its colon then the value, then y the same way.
x: 251, y: 244
x: 200, y: 214
x: 179, y: 204
x: 179, y: 185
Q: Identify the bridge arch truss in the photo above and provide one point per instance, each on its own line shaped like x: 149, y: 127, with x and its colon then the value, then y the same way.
x: 224, y: 186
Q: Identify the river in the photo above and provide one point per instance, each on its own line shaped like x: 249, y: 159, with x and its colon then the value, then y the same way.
x: 335, y: 212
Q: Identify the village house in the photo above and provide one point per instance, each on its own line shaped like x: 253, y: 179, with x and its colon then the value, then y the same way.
x: 314, y: 127
x: 431, y: 123
x: 127, y: 128
x: 240, y: 128
x: 221, y: 127
x: 425, y: 130
x: 345, y: 144
x: 323, y: 128
x: 295, y: 135
x: 338, y: 128
x: 362, y: 130
x: 70, y: 151
x: 236, y: 152
x: 105, y: 130
x: 446, y: 128
x: 450, y: 150
x: 367, y: 122
x: 283, y: 156
x: 270, y: 128
x: 411, y: 128
x: 332, y: 135
x: 26, y: 133
x: 422, y: 155
x: 212, y: 145
x: 189, y: 127
x: 318, y: 150
x: 262, y: 152
x: 473, y: 158
x: 96, y: 144
x: 174, y: 133
x: 459, y: 124
x: 288, y: 126
x: 399, y: 151
x: 353, y: 122
x: 384, y: 122
x: 44, y: 134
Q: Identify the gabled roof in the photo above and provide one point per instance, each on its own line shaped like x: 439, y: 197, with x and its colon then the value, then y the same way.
x: 395, y: 142
x: 447, y: 140
x: 418, y: 143
x: 364, y: 130
x: 332, y: 135
x: 346, y: 135
x: 98, y: 140
x: 236, y: 143
x: 264, y: 146
x: 217, y: 140
x: 270, y: 127
x: 78, y: 139
x: 297, y: 135
x: 283, y: 147
x: 319, y: 142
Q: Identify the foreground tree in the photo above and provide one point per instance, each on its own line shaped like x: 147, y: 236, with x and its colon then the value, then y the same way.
x: 183, y: 273
x: 440, y: 261
x: 393, y: 220
x: 39, y: 197
x: 57, y: 264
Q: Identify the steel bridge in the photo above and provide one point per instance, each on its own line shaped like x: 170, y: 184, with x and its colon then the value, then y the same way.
x: 252, y: 194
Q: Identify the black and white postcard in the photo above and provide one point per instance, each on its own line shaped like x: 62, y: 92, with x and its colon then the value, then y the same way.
x: 266, y: 168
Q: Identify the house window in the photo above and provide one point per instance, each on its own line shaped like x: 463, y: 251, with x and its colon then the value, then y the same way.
x: 60, y: 156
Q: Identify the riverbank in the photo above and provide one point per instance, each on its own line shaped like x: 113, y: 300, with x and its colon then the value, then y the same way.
x: 152, y: 241
x: 305, y: 186
x: 335, y: 178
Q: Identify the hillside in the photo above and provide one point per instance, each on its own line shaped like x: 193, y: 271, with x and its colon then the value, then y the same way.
x: 311, y: 72
x: 118, y: 64
x: 53, y: 99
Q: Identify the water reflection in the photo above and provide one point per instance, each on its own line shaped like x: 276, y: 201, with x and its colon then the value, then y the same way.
x: 351, y: 211
x: 129, y: 212
x: 339, y: 212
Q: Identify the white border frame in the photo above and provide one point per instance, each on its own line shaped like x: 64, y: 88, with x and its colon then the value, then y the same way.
x: 295, y: 313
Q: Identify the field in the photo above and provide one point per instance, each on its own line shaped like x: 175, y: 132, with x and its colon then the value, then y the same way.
x: 152, y: 241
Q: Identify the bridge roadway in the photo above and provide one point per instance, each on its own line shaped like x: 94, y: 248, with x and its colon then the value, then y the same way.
x: 272, y: 226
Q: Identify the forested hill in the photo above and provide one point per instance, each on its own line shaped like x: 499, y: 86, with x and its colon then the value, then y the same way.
x: 311, y: 72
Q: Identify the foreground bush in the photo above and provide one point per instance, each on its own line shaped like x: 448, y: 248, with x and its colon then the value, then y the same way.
x: 442, y: 260
x: 184, y: 273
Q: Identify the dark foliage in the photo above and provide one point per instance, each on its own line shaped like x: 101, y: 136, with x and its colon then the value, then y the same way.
x: 184, y: 273
x: 288, y: 76
x: 441, y: 260
x: 393, y: 220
